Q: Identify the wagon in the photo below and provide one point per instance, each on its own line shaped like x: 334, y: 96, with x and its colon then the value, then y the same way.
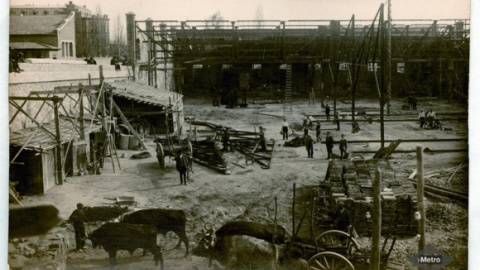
x: 334, y: 250
x: 168, y: 147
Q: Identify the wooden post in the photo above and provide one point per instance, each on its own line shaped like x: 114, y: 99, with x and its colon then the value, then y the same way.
x: 82, y: 121
x: 376, y: 222
x: 59, y: 149
x: 420, y: 199
x: 100, y: 69
x: 382, y: 76
x: 293, y: 209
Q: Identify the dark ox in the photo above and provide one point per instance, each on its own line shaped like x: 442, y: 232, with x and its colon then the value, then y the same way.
x: 165, y: 220
x: 242, y: 245
x: 103, y: 213
x: 120, y: 236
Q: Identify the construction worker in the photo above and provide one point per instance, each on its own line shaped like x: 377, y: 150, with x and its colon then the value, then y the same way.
x: 78, y: 220
x: 318, y: 131
x: 263, y: 142
x: 285, y: 129
x: 343, y: 147
x: 421, y: 118
x: 342, y: 218
x: 226, y: 140
x: 327, y: 112
x: 309, y: 145
x: 336, y: 119
x: 181, y: 165
x: 329, y: 144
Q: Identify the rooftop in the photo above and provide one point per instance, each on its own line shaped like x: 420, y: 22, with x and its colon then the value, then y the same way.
x: 38, y: 25
x: 32, y: 46
x: 143, y: 94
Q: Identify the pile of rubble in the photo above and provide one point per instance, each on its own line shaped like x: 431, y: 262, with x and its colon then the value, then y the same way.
x: 46, y: 252
x: 351, y: 181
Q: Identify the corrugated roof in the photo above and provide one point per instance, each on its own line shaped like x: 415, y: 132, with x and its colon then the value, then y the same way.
x: 43, y: 141
x: 143, y: 93
x: 38, y: 25
x: 32, y: 46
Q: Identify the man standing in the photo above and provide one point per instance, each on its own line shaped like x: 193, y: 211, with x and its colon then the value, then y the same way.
x: 336, y: 119
x: 343, y: 147
x: 263, y: 141
x: 309, y: 145
x: 78, y: 218
x: 181, y: 165
x: 329, y: 144
x: 318, y: 131
x: 327, y: 111
x: 285, y: 129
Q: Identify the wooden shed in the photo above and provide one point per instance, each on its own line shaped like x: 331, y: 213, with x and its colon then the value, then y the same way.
x: 148, y: 107
x: 33, y: 151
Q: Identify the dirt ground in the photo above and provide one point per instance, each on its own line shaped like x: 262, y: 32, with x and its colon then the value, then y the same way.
x: 249, y: 193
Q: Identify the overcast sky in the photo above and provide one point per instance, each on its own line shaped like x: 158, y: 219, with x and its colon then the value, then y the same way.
x: 271, y: 9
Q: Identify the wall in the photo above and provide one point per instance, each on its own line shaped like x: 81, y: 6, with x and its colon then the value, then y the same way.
x: 66, y: 36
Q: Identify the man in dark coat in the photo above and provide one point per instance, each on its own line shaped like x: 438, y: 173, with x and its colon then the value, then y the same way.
x: 329, y: 144
x: 343, y: 147
x: 181, y: 165
x: 78, y: 219
x: 263, y: 141
x: 309, y: 145
x: 342, y: 218
x: 327, y: 112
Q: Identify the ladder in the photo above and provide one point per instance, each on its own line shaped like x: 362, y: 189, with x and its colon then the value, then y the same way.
x: 288, y: 90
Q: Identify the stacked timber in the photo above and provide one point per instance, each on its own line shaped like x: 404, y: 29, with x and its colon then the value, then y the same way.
x: 351, y: 182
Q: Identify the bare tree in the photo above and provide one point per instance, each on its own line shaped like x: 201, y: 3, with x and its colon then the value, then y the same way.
x: 118, y: 35
x: 214, y: 21
x: 259, y: 15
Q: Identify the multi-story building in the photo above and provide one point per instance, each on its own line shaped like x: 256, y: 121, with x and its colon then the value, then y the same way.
x: 91, y: 31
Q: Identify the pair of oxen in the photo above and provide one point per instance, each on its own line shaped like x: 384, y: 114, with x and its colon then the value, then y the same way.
x: 235, y: 243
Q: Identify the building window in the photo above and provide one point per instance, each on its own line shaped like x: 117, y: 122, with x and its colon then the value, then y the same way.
x: 45, y: 12
x: 34, y: 13
x: 71, y: 48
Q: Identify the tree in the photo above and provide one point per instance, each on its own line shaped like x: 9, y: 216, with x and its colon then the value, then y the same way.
x: 214, y: 21
x: 118, y: 40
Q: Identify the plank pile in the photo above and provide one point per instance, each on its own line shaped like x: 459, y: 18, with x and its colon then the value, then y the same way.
x: 351, y: 182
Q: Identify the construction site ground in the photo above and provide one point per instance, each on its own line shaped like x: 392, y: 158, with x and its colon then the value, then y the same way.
x: 249, y: 193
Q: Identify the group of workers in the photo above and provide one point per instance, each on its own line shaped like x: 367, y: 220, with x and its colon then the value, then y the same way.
x: 428, y: 119
x: 309, y: 141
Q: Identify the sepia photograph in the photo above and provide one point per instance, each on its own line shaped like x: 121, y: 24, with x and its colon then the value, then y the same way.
x: 254, y: 134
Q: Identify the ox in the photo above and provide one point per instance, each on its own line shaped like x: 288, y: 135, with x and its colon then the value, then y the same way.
x: 242, y: 245
x: 120, y: 236
x: 165, y: 220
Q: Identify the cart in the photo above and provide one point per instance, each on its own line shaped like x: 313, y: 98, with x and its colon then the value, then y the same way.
x: 168, y: 147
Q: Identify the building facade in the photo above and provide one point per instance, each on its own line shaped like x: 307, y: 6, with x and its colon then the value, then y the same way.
x: 91, y: 31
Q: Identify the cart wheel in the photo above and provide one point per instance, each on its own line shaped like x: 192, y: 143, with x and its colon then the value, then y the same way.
x: 335, y: 238
x: 160, y: 156
x: 330, y: 261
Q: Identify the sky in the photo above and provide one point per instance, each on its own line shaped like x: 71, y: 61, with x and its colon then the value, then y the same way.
x: 270, y: 9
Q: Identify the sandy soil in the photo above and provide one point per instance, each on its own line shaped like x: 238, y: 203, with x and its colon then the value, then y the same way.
x: 249, y: 194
